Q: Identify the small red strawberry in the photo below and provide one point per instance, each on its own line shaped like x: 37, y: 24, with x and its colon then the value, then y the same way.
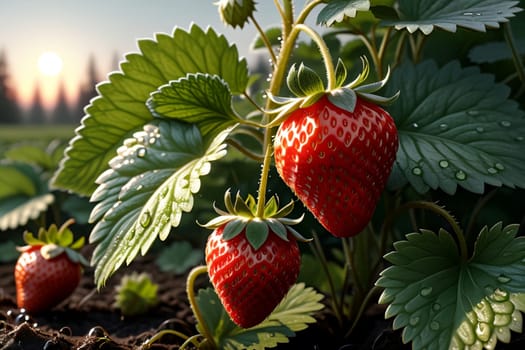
x: 252, y: 262
x: 336, y: 153
x: 48, y: 269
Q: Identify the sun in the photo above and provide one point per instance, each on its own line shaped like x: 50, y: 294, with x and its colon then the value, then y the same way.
x: 50, y: 63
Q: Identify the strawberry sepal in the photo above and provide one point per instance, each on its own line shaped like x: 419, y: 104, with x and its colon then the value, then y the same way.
x: 241, y: 217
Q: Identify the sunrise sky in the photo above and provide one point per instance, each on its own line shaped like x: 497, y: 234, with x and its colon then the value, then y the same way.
x: 69, y: 31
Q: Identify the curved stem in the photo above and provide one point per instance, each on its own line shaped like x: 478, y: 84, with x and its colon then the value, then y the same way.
x: 447, y: 216
x: 289, y: 38
x: 319, y: 254
x: 264, y: 38
x: 325, y: 53
x: 520, y: 68
x: 374, y: 290
x: 191, y: 340
x: 190, y: 291
x: 159, y: 335
x: 239, y: 147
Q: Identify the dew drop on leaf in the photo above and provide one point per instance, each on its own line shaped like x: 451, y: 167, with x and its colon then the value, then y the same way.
x: 415, y: 125
x: 425, y: 292
x: 480, y: 129
x: 473, y: 113
x: 492, y: 171
x: 443, y: 126
x: 503, y: 279
x: 417, y: 171
x: 145, y: 219
x: 519, y: 138
x: 505, y: 123
x: 443, y: 163
x: 414, y: 320
x: 434, y: 325
x: 466, y: 333
x: 436, y: 307
x: 461, y: 175
x: 141, y: 152
x: 483, y: 331
x: 499, y: 166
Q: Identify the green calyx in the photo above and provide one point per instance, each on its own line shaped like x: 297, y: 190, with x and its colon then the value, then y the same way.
x: 235, y: 12
x: 308, y: 88
x: 55, y: 241
x: 241, y: 216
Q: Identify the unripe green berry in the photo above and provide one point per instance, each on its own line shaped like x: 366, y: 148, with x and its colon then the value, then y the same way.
x: 235, y: 12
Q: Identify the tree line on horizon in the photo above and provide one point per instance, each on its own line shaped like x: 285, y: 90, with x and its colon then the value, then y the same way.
x: 62, y: 113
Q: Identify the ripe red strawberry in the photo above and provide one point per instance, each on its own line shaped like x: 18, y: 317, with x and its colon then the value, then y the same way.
x: 48, y: 269
x: 249, y: 282
x: 252, y: 262
x: 336, y: 155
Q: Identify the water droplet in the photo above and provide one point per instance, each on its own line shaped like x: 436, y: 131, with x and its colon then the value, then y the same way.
x: 414, y: 320
x: 461, y: 175
x: 443, y: 163
x: 503, y: 279
x: 139, y: 187
x: 434, y: 325
x: 443, y: 126
x: 499, y: 166
x: 473, y: 113
x: 480, y: 129
x: 417, y: 171
x: 141, y: 152
x: 505, y: 123
x: 152, y: 140
x: 483, y: 331
x: 436, y: 306
x: 519, y: 138
x: 425, y: 292
x: 415, y: 125
x: 492, y: 171
x: 145, y: 219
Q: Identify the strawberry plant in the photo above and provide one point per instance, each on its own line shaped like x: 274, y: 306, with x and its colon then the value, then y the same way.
x: 406, y: 172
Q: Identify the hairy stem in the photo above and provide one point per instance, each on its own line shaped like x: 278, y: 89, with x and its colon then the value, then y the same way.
x: 325, y: 53
x: 516, y: 57
x: 190, y: 291
x: 288, y: 43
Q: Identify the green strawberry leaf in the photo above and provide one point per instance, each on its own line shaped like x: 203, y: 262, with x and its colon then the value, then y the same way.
x: 336, y: 11
x: 179, y: 258
x: 425, y: 15
x: 150, y: 184
x: 456, y: 126
x: 201, y: 99
x: 30, y: 154
x: 293, y: 314
x: 23, y: 195
x: 494, y: 51
x: 121, y: 107
x: 274, y: 36
x: 441, y: 300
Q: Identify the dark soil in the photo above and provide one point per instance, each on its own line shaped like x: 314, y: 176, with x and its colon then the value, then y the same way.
x: 87, y: 320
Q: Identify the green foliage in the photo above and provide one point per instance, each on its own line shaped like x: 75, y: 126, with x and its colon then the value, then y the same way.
x: 200, y: 99
x: 150, y: 184
x: 23, y: 195
x: 439, y: 299
x: 425, y: 15
x: 151, y: 135
x: 135, y: 294
x: 121, y: 107
x: 179, y: 257
x: 293, y: 314
x: 458, y: 127
x: 338, y: 10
